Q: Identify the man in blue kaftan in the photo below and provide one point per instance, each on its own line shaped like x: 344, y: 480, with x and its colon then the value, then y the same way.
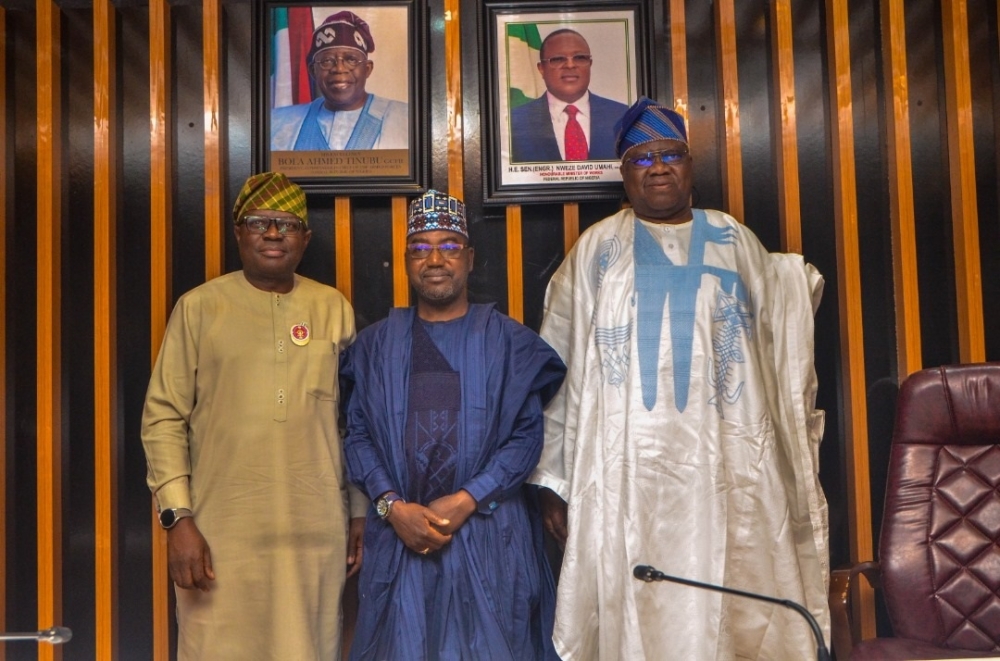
x: 345, y: 116
x: 444, y: 424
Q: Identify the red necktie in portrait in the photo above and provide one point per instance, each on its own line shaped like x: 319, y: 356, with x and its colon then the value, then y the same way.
x: 576, y: 142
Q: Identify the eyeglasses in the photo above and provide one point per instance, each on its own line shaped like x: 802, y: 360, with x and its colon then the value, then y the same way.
x: 348, y: 62
x: 667, y: 157
x: 423, y: 250
x: 261, y: 224
x: 559, y: 61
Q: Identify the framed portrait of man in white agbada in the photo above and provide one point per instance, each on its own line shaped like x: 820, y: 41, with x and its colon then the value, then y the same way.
x: 559, y: 76
x: 339, y: 101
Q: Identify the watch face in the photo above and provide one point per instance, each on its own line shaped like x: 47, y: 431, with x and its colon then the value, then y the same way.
x: 168, y: 518
x: 382, y: 507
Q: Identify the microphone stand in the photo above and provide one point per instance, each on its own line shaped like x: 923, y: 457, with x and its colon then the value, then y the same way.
x: 53, y: 635
x: 650, y: 574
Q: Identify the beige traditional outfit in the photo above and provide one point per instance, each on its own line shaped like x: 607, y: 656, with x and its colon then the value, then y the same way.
x: 240, y: 426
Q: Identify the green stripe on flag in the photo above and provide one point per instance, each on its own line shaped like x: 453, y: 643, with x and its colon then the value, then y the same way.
x: 279, y: 22
x: 517, y: 98
x: 281, y: 79
x: 526, y: 32
x: 523, y: 80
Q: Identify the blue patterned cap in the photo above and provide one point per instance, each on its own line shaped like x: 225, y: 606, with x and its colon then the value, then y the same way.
x: 435, y: 210
x: 647, y: 121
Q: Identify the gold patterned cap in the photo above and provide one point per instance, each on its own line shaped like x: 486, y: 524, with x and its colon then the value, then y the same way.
x: 271, y: 191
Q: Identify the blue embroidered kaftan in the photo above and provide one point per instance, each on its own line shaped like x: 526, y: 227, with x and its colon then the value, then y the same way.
x: 489, y: 593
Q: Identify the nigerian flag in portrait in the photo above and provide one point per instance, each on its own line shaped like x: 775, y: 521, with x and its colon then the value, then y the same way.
x: 524, y: 82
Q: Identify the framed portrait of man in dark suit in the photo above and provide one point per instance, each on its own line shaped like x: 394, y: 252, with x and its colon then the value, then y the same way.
x: 559, y: 80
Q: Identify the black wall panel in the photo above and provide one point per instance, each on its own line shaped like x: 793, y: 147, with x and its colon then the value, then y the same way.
x: 706, y: 130
x: 931, y: 186
x: 757, y: 142
x: 78, y: 327
x: 22, y: 565
x: 985, y: 79
x: 135, y: 565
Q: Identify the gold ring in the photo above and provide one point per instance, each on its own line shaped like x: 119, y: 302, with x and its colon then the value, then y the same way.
x: 426, y: 551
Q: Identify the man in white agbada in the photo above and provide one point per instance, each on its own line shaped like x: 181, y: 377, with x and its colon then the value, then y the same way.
x: 685, y: 435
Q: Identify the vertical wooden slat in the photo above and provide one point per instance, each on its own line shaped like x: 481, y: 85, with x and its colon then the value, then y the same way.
x: 400, y: 284
x: 105, y: 355
x: 678, y: 59
x: 789, y: 210
x: 571, y: 225
x: 849, y: 291
x: 160, y: 273
x: 342, y: 245
x: 214, y: 141
x: 49, y: 322
x: 732, y: 159
x: 453, y: 87
x: 515, y: 264
x: 962, y: 170
x: 904, y: 238
x: 3, y: 326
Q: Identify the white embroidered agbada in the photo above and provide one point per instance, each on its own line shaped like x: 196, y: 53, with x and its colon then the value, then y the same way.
x: 685, y: 437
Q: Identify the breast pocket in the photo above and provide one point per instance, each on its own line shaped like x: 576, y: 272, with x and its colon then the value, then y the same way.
x: 321, y: 372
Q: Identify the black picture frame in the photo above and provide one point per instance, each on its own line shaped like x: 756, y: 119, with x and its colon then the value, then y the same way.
x: 516, y: 171
x: 399, y: 31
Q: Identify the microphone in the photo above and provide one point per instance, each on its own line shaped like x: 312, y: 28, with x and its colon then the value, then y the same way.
x: 53, y: 635
x: 649, y: 574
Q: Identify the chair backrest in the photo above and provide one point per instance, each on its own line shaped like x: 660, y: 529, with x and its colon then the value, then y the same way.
x: 940, y: 544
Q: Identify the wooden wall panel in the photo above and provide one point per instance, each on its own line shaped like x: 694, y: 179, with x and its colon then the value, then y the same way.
x: 678, y: 59
x: 787, y: 135
x: 342, y: 246
x: 729, y: 98
x: 400, y: 284
x: 904, y: 239
x: 105, y: 330
x: 849, y: 294
x: 160, y: 267
x: 48, y: 390
x: 515, y: 264
x: 962, y: 169
x: 215, y: 128
x: 453, y: 86
x: 571, y: 226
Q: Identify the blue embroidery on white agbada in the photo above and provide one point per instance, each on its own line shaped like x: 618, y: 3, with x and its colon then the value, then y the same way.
x: 660, y: 282
x: 732, y: 317
x: 608, y: 253
x: 614, y: 345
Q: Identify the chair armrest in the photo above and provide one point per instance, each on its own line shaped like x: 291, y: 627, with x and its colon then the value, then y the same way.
x: 871, y: 570
x: 842, y: 630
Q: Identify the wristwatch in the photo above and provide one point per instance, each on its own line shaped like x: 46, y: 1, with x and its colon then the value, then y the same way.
x: 383, y: 506
x: 169, y: 518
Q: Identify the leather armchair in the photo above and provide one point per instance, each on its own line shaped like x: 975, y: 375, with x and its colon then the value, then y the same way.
x: 939, y: 553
